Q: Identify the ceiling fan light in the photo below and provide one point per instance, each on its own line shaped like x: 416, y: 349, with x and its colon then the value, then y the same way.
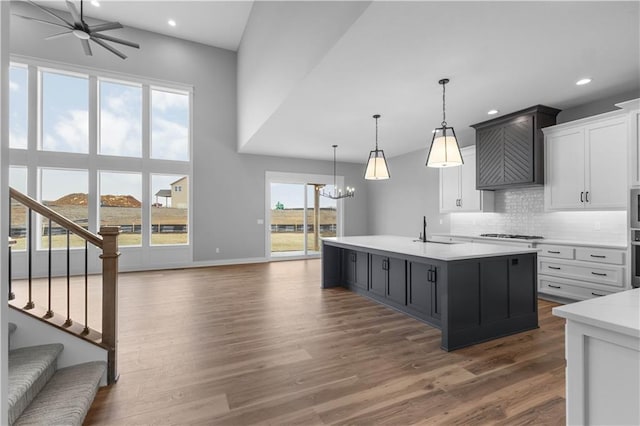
x: 377, y: 168
x: 444, y: 151
x: 82, y: 35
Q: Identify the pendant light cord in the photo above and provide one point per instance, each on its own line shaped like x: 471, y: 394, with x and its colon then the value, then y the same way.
x: 444, y: 114
x: 376, y: 134
x: 335, y: 187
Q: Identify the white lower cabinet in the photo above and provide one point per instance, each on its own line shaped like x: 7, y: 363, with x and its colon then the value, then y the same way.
x: 580, y: 273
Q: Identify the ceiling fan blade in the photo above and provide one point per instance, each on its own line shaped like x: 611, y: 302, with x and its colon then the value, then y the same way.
x: 86, y: 47
x: 109, y: 48
x: 51, y: 37
x: 105, y: 27
x: 116, y: 40
x: 41, y: 21
x: 77, y: 19
x: 51, y: 13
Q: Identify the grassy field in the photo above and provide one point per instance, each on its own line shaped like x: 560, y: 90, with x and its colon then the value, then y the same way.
x: 60, y: 241
x: 293, y: 241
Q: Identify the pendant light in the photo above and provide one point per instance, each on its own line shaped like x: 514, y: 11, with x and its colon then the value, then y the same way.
x: 377, y: 168
x: 444, y: 150
x: 337, y: 192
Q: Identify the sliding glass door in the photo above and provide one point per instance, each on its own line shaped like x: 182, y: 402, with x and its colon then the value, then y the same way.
x: 299, y: 218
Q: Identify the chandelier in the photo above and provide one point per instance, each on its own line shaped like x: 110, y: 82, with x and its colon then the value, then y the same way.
x: 337, y: 192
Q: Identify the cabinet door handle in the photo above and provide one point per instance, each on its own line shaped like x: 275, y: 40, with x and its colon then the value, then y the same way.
x: 586, y: 196
x: 596, y: 294
x: 599, y: 274
x: 554, y: 286
x: 554, y: 267
x: 598, y: 256
x: 553, y: 252
x: 460, y: 202
x: 582, y: 197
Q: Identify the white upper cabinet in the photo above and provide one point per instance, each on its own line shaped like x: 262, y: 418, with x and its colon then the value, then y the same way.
x: 586, y: 163
x: 633, y: 109
x: 458, y: 187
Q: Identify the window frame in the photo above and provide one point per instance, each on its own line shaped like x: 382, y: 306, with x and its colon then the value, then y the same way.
x: 35, y: 158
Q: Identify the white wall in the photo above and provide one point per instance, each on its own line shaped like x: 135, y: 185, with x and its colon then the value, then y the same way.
x: 4, y: 205
x: 282, y: 43
x: 228, y: 188
x: 397, y: 205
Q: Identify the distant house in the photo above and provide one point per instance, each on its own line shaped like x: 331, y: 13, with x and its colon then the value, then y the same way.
x: 166, y: 194
x: 180, y: 193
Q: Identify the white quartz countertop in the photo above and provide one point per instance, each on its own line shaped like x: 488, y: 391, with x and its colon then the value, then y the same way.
x: 439, y: 251
x: 579, y: 243
x: 618, y: 312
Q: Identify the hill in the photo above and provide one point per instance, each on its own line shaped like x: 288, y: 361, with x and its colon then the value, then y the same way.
x: 79, y: 199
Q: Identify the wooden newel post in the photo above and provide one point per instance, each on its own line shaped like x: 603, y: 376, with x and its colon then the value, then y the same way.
x: 109, y: 256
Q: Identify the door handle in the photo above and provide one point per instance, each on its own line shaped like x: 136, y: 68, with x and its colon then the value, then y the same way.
x: 586, y: 196
x: 582, y: 197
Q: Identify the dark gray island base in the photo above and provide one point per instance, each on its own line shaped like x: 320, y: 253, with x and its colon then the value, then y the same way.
x: 471, y: 300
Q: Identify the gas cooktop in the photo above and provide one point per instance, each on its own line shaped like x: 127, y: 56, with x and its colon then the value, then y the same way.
x: 514, y: 236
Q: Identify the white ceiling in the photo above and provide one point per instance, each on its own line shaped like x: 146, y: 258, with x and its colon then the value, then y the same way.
x: 215, y: 23
x: 503, y: 55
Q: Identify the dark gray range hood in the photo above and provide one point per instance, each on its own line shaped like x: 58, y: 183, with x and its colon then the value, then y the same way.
x: 510, y: 149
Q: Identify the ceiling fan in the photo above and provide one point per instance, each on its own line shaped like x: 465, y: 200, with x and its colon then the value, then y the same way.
x: 81, y: 30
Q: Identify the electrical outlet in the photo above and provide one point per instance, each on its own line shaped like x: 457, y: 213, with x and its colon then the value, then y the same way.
x: 260, y: 221
x: 596, y: 226
x: 440, y: 221
x: 217, y: 250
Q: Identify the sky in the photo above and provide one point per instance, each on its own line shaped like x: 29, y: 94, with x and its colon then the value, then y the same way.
x: 292, y: 195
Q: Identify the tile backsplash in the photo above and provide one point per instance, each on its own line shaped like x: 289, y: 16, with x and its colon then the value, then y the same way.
x: 521, y: 211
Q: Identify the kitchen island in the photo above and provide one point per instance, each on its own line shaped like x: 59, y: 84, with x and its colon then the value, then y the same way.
x: 472, y: 292
x: 602, y: 340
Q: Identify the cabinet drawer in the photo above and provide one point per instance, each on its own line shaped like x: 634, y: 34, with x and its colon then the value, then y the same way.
x: 568, y: 288
x: 559, y: 252
x: 615, y: 257
x: 600, y: 274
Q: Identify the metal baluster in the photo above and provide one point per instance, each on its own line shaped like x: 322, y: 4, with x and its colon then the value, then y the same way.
x: 86, y: 289
x: 49, y: 313
x: 68, y: 322
x: 30, y: 304
x: 11, y: 295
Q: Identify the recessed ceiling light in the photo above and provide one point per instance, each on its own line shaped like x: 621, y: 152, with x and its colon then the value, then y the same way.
x: 493, y: 112
x: 583, y: 81
x: 96, y: 3
x: 171, y: 22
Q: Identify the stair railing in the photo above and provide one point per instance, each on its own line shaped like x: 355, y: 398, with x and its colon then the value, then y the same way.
x: 107, y: 242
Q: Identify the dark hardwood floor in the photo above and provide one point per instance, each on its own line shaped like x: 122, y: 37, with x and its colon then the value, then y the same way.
x: 264, y: 344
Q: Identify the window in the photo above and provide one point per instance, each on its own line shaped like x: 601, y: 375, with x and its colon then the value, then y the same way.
x: 67, y: 192
x: 169, y: 211
x: 169, y: 125
x: 65, y: 112
x: 18, y: 101
x: 120, y: 119
x: 110, y: 182
x: 120, y: 205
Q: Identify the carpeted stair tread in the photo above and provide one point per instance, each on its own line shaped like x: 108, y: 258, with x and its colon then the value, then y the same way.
x: 66, y: 399
x: 30, y: 369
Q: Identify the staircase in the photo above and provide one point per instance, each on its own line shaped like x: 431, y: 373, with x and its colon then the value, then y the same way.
x: 42, y: 394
